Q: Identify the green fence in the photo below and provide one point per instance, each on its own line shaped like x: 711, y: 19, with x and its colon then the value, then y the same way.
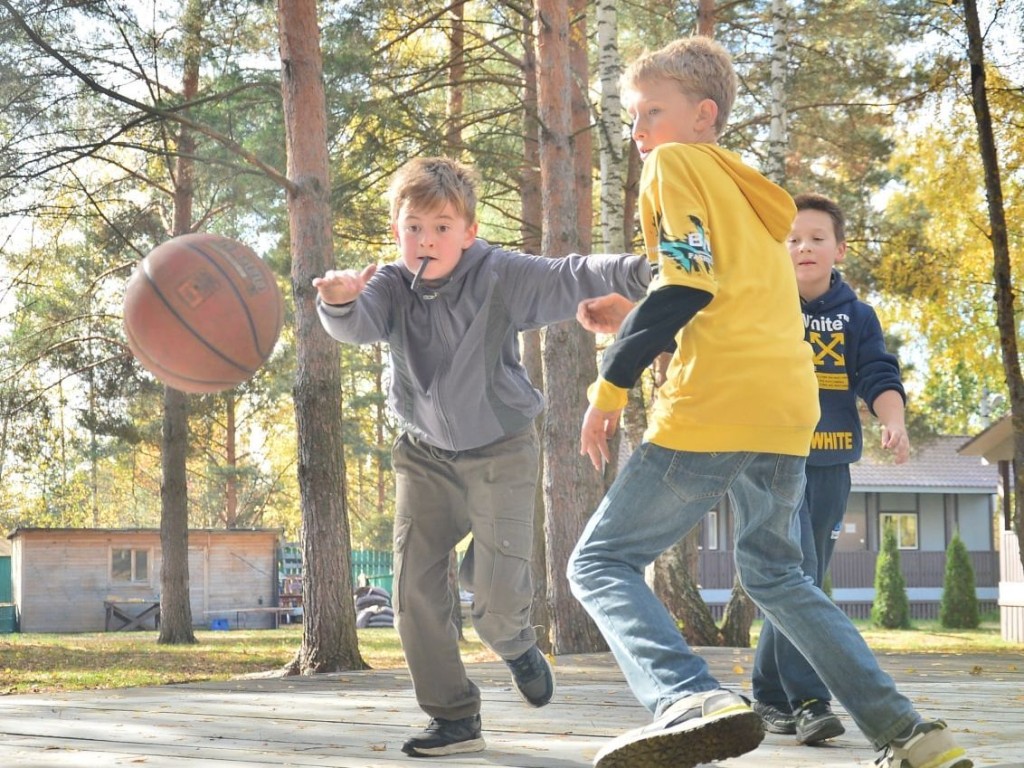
x: 370, y: 566
x: 376, y: 568
x: 8, y: 619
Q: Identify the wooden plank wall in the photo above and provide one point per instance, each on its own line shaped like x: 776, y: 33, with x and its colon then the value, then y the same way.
x: 62, y: 576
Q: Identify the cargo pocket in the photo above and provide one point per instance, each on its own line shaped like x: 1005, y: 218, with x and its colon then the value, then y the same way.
x: 403, y: 525
x: 511, y: 584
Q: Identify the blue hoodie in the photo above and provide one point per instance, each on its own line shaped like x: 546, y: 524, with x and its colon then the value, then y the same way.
x: 851, y: 361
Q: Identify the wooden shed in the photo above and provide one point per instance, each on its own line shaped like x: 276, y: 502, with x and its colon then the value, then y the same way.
x: 89, y: 579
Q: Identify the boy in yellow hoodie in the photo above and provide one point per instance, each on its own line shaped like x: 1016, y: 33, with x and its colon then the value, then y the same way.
x: 734, y: 417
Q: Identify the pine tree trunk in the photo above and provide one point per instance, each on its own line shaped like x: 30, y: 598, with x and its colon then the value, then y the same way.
x: 1005, y: 295
x: 175, y: 606
x: 571, y: 489
x: 329, y: 640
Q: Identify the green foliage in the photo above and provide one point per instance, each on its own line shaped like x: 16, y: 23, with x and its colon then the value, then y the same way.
x: 959, y: 607
x: 891, y: 609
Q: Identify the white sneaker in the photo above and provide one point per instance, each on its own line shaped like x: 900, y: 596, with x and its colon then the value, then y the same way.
x: 701, y: 728
x: 929, y: 745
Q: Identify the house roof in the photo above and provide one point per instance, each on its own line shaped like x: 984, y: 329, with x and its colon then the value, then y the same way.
x: 995, y: 443
x: 21, y: 530
x: 937, y: 466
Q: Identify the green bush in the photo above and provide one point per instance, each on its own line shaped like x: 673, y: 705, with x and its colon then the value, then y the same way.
x: 959, y: 608
x: 892, y: 608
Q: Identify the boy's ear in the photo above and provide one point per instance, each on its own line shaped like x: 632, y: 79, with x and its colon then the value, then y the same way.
x: 707, y: 113
x: 471, y: 231
x: 394, y: 232
x: 840, y: 251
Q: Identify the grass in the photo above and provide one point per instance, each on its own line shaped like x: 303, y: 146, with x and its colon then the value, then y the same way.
x: 35, y: 663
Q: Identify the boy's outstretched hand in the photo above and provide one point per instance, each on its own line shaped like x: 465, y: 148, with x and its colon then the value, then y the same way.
x: 603, y: 314
x: 341, y: 286
x: 597, y: 427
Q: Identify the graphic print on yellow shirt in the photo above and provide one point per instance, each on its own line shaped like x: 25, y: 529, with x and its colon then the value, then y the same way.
x: 692, y: 254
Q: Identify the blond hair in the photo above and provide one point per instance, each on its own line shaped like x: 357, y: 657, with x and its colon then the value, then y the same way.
x: 428, y: 183
x: 701, y: 67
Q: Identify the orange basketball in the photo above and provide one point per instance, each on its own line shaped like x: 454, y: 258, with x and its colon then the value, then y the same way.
x: 202, y: 313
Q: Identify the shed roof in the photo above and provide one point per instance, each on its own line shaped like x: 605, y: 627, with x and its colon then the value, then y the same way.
x: 21, y: 530
x: 934, y: 467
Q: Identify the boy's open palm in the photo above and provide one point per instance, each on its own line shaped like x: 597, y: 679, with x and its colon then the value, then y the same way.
x: 341, y: 286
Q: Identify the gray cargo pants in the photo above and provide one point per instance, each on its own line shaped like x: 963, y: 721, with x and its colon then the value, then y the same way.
x: 440, y: 497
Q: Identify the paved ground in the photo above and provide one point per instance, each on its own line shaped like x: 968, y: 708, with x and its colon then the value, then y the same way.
x: 359, y: 720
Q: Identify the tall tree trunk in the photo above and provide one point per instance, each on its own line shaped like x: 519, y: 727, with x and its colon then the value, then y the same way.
x: 530, y: 231
x: 329, y: 639
x: 453, y: 147
x: 231, y: 461
x: 175, y: 606
x: 706, y: 18
x: 613, y: 146
x: 571, y: 490
x: 1001, y: 268
x: 778, y: 140
x: 674, y: 583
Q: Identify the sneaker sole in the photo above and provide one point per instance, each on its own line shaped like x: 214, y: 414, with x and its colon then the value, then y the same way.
x: 949, y: 760
x: 457, y: 748
x: 788, y: 729
x: 826, y: 729
x: 731, y: 734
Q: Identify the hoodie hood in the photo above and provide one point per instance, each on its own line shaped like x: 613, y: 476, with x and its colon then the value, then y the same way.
x: 839, y: 293
x: 770, y: 202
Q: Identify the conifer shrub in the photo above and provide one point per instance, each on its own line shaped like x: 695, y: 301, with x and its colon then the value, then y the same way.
x: 891, y: 609
x: 959, y: 607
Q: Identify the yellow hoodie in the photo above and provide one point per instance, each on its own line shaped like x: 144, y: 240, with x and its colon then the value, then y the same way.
x: 741, y: 378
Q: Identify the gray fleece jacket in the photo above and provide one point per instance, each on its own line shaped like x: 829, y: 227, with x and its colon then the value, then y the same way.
x: 457, y: 381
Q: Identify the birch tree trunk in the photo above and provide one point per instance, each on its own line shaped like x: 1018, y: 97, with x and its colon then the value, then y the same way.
x: 613, y: 146
x: 329, y: 640
x: 778, y: 139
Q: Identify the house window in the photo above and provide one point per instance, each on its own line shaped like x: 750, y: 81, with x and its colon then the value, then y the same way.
x: 905, y: 525
x: 130, y: 566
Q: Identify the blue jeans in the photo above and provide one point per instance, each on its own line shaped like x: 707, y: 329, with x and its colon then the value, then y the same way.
x: 782, y: 677
x: 661, y: 495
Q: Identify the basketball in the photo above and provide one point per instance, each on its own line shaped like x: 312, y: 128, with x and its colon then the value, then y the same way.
x: 202, y: 313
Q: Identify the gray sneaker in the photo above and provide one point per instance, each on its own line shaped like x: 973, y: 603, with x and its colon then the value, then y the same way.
x: 446, y: 737
x: 929, y: 745
x: 700, y: 728
x: 533, y: 677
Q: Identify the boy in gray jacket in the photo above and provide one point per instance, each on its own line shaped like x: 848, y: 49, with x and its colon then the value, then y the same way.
x: 451, y: 308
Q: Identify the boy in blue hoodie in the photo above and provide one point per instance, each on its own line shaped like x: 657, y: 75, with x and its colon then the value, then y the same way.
x: 851, y: 361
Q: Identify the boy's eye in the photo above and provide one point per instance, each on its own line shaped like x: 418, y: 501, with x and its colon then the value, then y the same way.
x: 443, y: 228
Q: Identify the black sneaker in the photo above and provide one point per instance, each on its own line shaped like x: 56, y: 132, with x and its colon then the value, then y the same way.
x: 446, y: 737
x: 816, y: 722
x: 700, y: 728
x: 533, y: 677
x: 775, y: 719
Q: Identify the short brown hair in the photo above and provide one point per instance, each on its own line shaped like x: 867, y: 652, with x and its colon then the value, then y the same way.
x: 428, y: 183
x: 812, y: 202
x: 701, y: 67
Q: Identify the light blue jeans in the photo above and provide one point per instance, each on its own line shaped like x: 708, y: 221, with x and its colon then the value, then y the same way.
x: 661, y: 495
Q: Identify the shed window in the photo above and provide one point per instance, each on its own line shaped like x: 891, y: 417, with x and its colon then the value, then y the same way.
x: 905, y: 525
x: 129, y: 565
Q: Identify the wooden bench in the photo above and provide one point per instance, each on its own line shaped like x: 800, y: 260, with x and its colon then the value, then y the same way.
x: 118, y: 611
